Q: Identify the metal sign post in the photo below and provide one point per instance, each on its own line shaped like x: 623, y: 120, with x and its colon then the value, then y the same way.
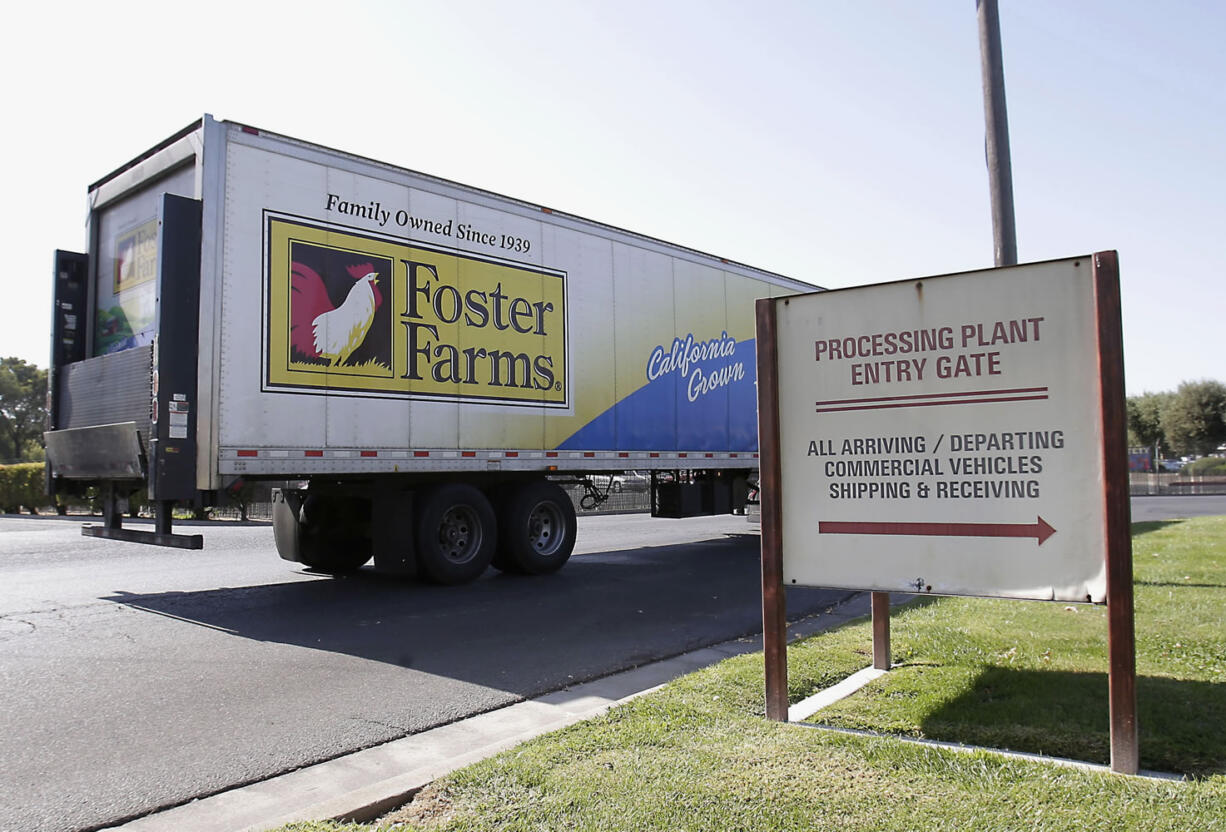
x: 881, y: 630
x: 955, y: 435
x: 1121, y: 639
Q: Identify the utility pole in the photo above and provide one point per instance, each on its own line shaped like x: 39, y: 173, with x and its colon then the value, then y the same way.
x: 996, y: 144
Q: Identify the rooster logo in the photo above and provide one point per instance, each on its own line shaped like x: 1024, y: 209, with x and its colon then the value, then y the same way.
x: 322, y: 330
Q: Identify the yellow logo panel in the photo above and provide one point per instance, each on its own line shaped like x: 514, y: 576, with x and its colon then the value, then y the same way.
x: 353, y: 314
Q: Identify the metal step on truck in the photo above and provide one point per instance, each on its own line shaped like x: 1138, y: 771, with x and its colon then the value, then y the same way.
x: 426, y: 364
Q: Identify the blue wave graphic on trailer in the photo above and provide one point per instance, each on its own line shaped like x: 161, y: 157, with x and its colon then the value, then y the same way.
x: 700, y: 396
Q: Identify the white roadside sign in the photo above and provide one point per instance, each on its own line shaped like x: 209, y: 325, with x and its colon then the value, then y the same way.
x: 944, y: 435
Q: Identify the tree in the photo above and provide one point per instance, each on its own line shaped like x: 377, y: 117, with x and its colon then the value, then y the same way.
x: 1145, y: 419
x: 241, y: 493
x: 23, y: 410
x: 1194, y: 420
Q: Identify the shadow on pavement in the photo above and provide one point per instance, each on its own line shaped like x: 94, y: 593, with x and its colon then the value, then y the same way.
x: 527, y: 635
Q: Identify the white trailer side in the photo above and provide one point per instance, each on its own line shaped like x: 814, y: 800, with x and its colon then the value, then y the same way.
x: 386, y: 335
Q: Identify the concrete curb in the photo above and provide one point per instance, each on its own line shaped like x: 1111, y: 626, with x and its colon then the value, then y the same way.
x: 369, y: 783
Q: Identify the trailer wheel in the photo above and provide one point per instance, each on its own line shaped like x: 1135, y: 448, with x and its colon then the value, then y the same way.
x: 335, y: 533
x: 536, y: 523
x: 455, y: 533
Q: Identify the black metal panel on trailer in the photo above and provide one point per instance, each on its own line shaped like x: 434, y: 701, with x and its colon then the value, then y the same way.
x: 172, y: 448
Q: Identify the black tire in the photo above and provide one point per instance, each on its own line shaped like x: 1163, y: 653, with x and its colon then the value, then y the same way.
x: 454, y: 533
x: 335, y: 533
x: 536, y: 522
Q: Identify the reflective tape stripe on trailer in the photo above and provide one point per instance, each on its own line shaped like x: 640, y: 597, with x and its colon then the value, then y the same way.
x: 389, y: 453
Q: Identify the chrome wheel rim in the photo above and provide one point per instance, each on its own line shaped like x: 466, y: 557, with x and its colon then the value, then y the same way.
x: 459, y: 534
x: 545, y: 528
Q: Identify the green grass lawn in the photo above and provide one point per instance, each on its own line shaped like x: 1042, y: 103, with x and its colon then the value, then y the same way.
x: 1030, y: 676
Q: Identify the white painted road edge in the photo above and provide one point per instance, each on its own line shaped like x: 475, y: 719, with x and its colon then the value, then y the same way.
x: 1001, y: 752
x: 828, y: 696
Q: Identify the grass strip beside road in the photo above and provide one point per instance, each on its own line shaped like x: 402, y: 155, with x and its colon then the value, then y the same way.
x: 1029, y: 676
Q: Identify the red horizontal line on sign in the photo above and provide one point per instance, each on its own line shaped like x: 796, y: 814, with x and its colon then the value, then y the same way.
x: 931, y: 404
x: 890, y: 402
x: 938, y: 395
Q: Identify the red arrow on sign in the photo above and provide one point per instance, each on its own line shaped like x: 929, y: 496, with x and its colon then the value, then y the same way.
x: 1040, y: 530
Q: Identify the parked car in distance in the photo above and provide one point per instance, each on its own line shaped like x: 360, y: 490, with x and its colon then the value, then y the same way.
x: 1172, y: 464
x: 630, y: 481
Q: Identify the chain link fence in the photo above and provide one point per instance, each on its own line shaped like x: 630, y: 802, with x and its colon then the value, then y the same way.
x: 1154, y: 485
x: 628, y: 493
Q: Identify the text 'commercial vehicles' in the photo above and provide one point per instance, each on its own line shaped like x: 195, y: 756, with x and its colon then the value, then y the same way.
x: 424, y: 362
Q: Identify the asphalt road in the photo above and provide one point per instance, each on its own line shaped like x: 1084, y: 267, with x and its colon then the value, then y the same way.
x: 136, y: 678
x: 1147, y: 509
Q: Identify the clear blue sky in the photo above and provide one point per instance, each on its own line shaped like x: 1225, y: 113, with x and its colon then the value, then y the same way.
x: 838, y: 142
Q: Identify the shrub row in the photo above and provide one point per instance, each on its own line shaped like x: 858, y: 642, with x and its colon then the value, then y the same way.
x: 1210, y: 466
x: 22, y: 485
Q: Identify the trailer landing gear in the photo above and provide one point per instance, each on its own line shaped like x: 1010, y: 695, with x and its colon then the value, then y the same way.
x: 112, y: 524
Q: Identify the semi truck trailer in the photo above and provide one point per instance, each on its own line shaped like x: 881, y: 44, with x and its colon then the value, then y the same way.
x: 422, y: 365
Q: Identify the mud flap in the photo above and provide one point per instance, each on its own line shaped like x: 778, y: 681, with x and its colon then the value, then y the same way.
x: 286, y: 530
